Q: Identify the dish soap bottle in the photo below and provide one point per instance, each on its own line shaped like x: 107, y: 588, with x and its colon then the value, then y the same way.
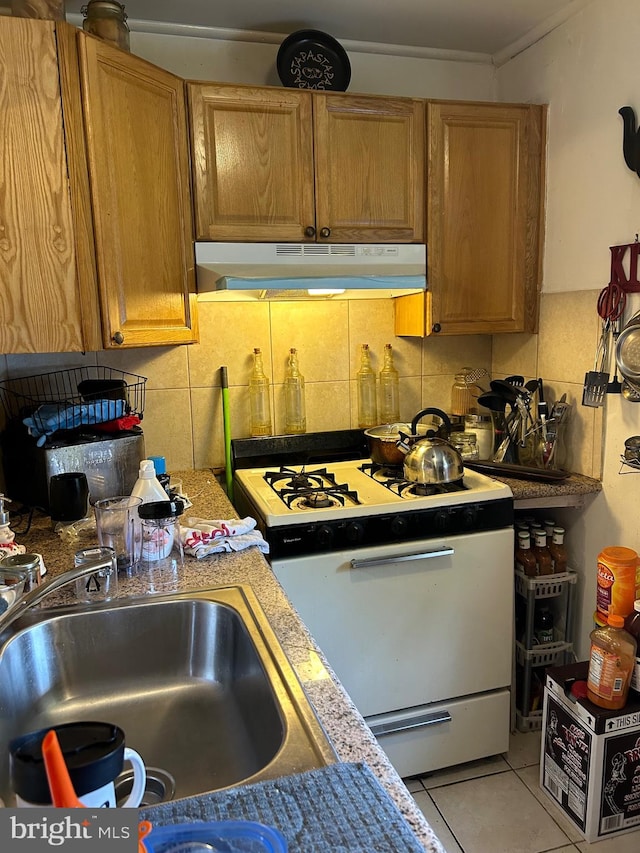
x: 389, y: 389
x: 147, y: 486
x: 261, y: 423
x: 8, y: 545
x: 366, y: 380
x: 295, y: 419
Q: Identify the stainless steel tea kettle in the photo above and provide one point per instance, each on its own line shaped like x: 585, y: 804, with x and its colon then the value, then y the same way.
x: 430, y: 460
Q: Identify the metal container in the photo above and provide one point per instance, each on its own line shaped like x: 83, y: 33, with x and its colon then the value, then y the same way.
x: 110, y: 464
x: 382, y: 442
x: 108, y: 21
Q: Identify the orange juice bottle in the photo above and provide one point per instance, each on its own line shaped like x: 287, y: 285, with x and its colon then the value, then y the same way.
x: 618, y: 581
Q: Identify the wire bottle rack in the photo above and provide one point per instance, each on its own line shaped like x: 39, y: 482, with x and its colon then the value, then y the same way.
x: 70, y: 396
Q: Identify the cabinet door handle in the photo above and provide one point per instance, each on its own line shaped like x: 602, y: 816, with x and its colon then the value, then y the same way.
x: 118, y: 338
x: 325, y: 232
x: 309, y: 231
x: 438, y: 551
x: 436, y: 328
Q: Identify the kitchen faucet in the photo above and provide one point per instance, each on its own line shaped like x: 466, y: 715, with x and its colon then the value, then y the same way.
x: 36, y: 595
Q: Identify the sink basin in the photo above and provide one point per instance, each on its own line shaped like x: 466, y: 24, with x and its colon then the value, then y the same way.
x: 197, y: 681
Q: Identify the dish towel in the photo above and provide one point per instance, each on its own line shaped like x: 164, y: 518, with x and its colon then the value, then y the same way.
x: 337, y: 809
x: 201, y: 537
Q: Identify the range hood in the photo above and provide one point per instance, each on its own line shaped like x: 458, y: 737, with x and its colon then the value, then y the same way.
x: 250, y: 271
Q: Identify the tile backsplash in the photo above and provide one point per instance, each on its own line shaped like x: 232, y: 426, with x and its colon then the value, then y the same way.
x: 183, y: 411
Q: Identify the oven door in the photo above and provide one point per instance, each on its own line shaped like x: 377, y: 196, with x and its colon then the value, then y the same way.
x: 405, y: 625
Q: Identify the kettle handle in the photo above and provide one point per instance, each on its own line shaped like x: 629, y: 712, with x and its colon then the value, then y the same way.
x: 438, y: 412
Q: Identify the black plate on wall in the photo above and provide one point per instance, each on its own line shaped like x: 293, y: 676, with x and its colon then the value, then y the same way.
x: 311, y: 59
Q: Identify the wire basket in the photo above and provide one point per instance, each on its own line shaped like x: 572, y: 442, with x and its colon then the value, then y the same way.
x: 78, y: 396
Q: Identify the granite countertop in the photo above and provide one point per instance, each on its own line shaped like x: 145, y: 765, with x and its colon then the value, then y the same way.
x: 345, y: 727
x: 571, y: 490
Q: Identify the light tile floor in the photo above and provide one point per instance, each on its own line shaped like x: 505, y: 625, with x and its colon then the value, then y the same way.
x: 496, y: 806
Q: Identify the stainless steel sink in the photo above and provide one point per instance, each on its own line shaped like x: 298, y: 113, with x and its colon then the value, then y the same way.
x: 197, y: 681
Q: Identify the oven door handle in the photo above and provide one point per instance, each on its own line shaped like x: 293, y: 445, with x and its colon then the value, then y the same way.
x: 438, y: 551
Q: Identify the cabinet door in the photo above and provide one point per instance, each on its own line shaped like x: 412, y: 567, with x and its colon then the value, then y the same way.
x: 369, y: 162
x: 48, y: 301
x: 139, y: 165
x: 252, y: 156
x: 484, y: 215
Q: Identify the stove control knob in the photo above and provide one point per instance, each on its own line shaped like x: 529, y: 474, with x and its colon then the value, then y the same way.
x: 324, y: 535
x: 469, y: 516
x: 399, y: 525
x: 442, y: 520
x: 355, y: 532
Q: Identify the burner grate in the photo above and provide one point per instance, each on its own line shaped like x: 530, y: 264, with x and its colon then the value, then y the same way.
x: 391, y: 477
x: 315, y: 489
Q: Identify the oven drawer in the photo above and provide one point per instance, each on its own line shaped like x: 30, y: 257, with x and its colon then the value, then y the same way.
x: 453, y: 733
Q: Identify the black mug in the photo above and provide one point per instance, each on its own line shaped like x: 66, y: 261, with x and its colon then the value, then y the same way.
x: 68, y: 496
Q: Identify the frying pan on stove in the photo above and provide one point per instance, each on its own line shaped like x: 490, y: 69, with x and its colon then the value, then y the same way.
x: 311, y: 59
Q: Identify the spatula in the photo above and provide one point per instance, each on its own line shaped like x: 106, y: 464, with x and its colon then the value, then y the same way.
x: 596, y: 380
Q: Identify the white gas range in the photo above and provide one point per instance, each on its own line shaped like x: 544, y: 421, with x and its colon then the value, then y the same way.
x: 409, y: 592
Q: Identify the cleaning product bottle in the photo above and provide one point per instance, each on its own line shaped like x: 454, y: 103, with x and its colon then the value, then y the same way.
x: 295, y: 418
x: 366, y: 381
x: 259, y: 398
x: 147, y: 486
x: 8, y: 545
x: 389, y: 389
x: 611, y: 663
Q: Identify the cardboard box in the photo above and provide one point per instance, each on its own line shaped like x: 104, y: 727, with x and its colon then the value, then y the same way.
x: 590, y: 758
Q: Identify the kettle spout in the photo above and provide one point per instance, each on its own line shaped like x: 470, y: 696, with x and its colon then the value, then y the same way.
x: 631, y: 139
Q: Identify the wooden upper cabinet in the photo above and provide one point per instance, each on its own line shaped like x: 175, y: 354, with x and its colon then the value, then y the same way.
x: 137, y: 144
x: 48, y: 300
x: 252, y: 160
x: 369, y: 168
x: 282, y: 164
x: 484, y: 221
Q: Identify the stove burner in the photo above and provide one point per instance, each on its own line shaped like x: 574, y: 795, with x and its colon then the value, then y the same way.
x: 391, y: 477
x: 315, y: 489
x: 318, y: 500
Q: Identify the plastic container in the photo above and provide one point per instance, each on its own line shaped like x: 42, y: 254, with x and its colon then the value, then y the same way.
x: 147, y: 486
x: 160, y: 532
x: 611, y: 662
x: 389, y: 389
x: 295, y: 416
x: 482, y: 426
x: 259, y: 398
x: 632, y: 625
x: 618, y: 581
x: 366, y: 382
x: 243, y: 836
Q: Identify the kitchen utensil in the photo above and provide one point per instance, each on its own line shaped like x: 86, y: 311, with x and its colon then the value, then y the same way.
x: 493, y: 400
x: 118, y: 528
x: 63, y: 794
x: 430, y: 460
x: 596, y: 380
x: 615, y: 386
x: 628, y: 349
x: 94, y: 754
x: 68, y: 496
x: 226, y: 420
x: 103, y: 584
x: 312, y: 59
x: 516, y: 380
x: 382, y: 442
x: 630, y: 392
